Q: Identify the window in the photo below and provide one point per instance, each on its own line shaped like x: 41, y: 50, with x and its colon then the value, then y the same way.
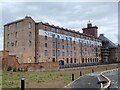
x: 46, y: 53
x: 74, y: 42
x: 58, y: 38
x: 90, y: 59
x: 53, y: 53
x: 53, y: 44
x: 8, y: 36
x: 71, y: 47
x: 67, y: 60
x: 74, y: 48
x: 62, y: 46
x: 58, y: 45
x: 82, y: 60
x: 71, y: 53
x: 53, y: 30
x: 53, y: 59
x: 71, y: 60
x: 8, y: 44
x: 62, y: 40
x: 45, y: 37
x: 30, y: 43
x: 67, y: 46
x: 63, y: 53
x: 58, y: 53
x: 53, y: 37
x: 45, y: 44
x: 86, y: 60
x: 57, y: 30
x: 70, y: 40
x: 66, y: 53
x: 29, y: 25
x: 16, y: 43
x: 74, y: 53
x: 30, y: 34
x: 66, y: 39
x: 75, y: 60
x: 16, y: 35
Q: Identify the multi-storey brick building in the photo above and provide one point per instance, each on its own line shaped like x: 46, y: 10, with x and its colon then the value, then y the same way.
x: 40, y: 42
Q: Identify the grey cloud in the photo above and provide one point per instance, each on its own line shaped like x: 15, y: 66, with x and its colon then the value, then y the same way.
x: 67, y: 15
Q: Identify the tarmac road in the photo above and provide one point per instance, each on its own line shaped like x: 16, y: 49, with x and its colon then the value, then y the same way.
x: 89, y: 82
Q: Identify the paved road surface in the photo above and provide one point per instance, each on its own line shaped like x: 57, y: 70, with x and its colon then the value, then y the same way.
x: 114, y: 76
x: 88, y: 81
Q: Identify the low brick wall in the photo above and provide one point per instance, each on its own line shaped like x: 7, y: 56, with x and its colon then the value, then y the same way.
x: 11, y: 61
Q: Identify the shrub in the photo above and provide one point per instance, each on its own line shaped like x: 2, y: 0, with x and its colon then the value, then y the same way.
x: 25, y: 69
x: 9, y: 68
x: 14, y: 69
x: 18, y: 69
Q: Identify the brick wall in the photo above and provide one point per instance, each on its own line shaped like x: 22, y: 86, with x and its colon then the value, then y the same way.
x: 11, y: 61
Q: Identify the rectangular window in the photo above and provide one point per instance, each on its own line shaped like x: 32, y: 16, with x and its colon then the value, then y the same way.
x: 67, y: 60
x: 16, y: 43
x: 71, y: 47
x: 74, y: 53
x: 62, y: 46
x: 74, y: 42
x: 70, y: 40
x: 58, y: 38
x: 45, y: 44
x: 53, y: 37
x: 29, y: 25
x: 74, y: 48
x: 63, y: 53
x: 53, y: 30
x: 45, y: 37
x: 46, y: 53
x: 30, y: 34
x: 58, y: 53
x: 30, y: 43
x: 8, y: 36
x: 62, y: 40
x: 8, y: 44
x: 53, y: 53
x: 75, y: 60
x: 70, y: 53
x: 57, y: 30
x: 66, y: 46
x: 66, y: 53
x: 58, y: 45
x: 53, y: 45
x: 66, y: 39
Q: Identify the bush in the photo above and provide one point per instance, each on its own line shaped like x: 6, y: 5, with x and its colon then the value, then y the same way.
x: 18, y: 69
x: 14, y: 69
x: 25, y: 69
x: 9, y: 68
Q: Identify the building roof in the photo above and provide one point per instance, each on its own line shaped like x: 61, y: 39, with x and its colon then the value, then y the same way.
x: 18, y: 21
x: 47, y: 24
x: 106, y: 42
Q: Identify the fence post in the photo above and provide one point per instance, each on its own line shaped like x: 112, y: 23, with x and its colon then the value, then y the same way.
x: 72, y: 77
x: 80, y: 73
x: 92, y: 70
x: 23, y: 83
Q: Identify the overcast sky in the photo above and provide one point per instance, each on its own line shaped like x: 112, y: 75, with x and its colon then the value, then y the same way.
x: 69, y: 15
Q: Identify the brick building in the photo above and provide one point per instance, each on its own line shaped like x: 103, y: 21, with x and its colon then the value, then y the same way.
x: 34, y: 42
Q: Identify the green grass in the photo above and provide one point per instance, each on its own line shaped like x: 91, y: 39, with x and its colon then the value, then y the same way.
x: 12, y: 79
